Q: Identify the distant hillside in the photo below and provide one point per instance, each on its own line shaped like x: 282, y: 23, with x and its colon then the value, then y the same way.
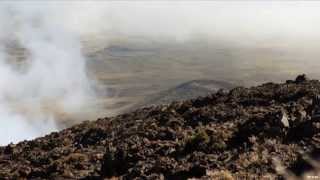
x: 263, y: 132
x: 188, y: 90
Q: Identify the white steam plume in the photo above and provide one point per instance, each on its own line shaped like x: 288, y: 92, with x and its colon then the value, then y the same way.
x: 52, y: 80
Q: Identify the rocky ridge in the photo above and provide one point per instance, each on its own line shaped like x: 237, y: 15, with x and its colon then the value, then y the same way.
x: 264, y: 131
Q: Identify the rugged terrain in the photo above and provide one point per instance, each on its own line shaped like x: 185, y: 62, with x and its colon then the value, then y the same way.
x: 263, y: 131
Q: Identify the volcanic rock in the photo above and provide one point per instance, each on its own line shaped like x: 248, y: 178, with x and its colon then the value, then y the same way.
x: 248, y: 133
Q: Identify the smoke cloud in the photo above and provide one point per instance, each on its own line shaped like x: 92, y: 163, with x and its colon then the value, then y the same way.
x: 52, y: 79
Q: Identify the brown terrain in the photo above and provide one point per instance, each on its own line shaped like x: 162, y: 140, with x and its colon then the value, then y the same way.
x: 133, y: 72
x: 268, y: 131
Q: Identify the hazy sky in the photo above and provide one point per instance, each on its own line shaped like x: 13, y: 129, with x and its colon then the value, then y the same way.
x: 234, y: 20
x: 182, y: 20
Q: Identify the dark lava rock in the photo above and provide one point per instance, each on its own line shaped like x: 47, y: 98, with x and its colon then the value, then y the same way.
x: 269, y: 131
x: 301, y: 78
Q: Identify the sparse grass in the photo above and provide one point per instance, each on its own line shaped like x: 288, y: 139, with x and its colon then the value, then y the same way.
x: 220, y: 175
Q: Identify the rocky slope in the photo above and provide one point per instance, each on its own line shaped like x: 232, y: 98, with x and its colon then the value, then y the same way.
x: 264, y: 131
